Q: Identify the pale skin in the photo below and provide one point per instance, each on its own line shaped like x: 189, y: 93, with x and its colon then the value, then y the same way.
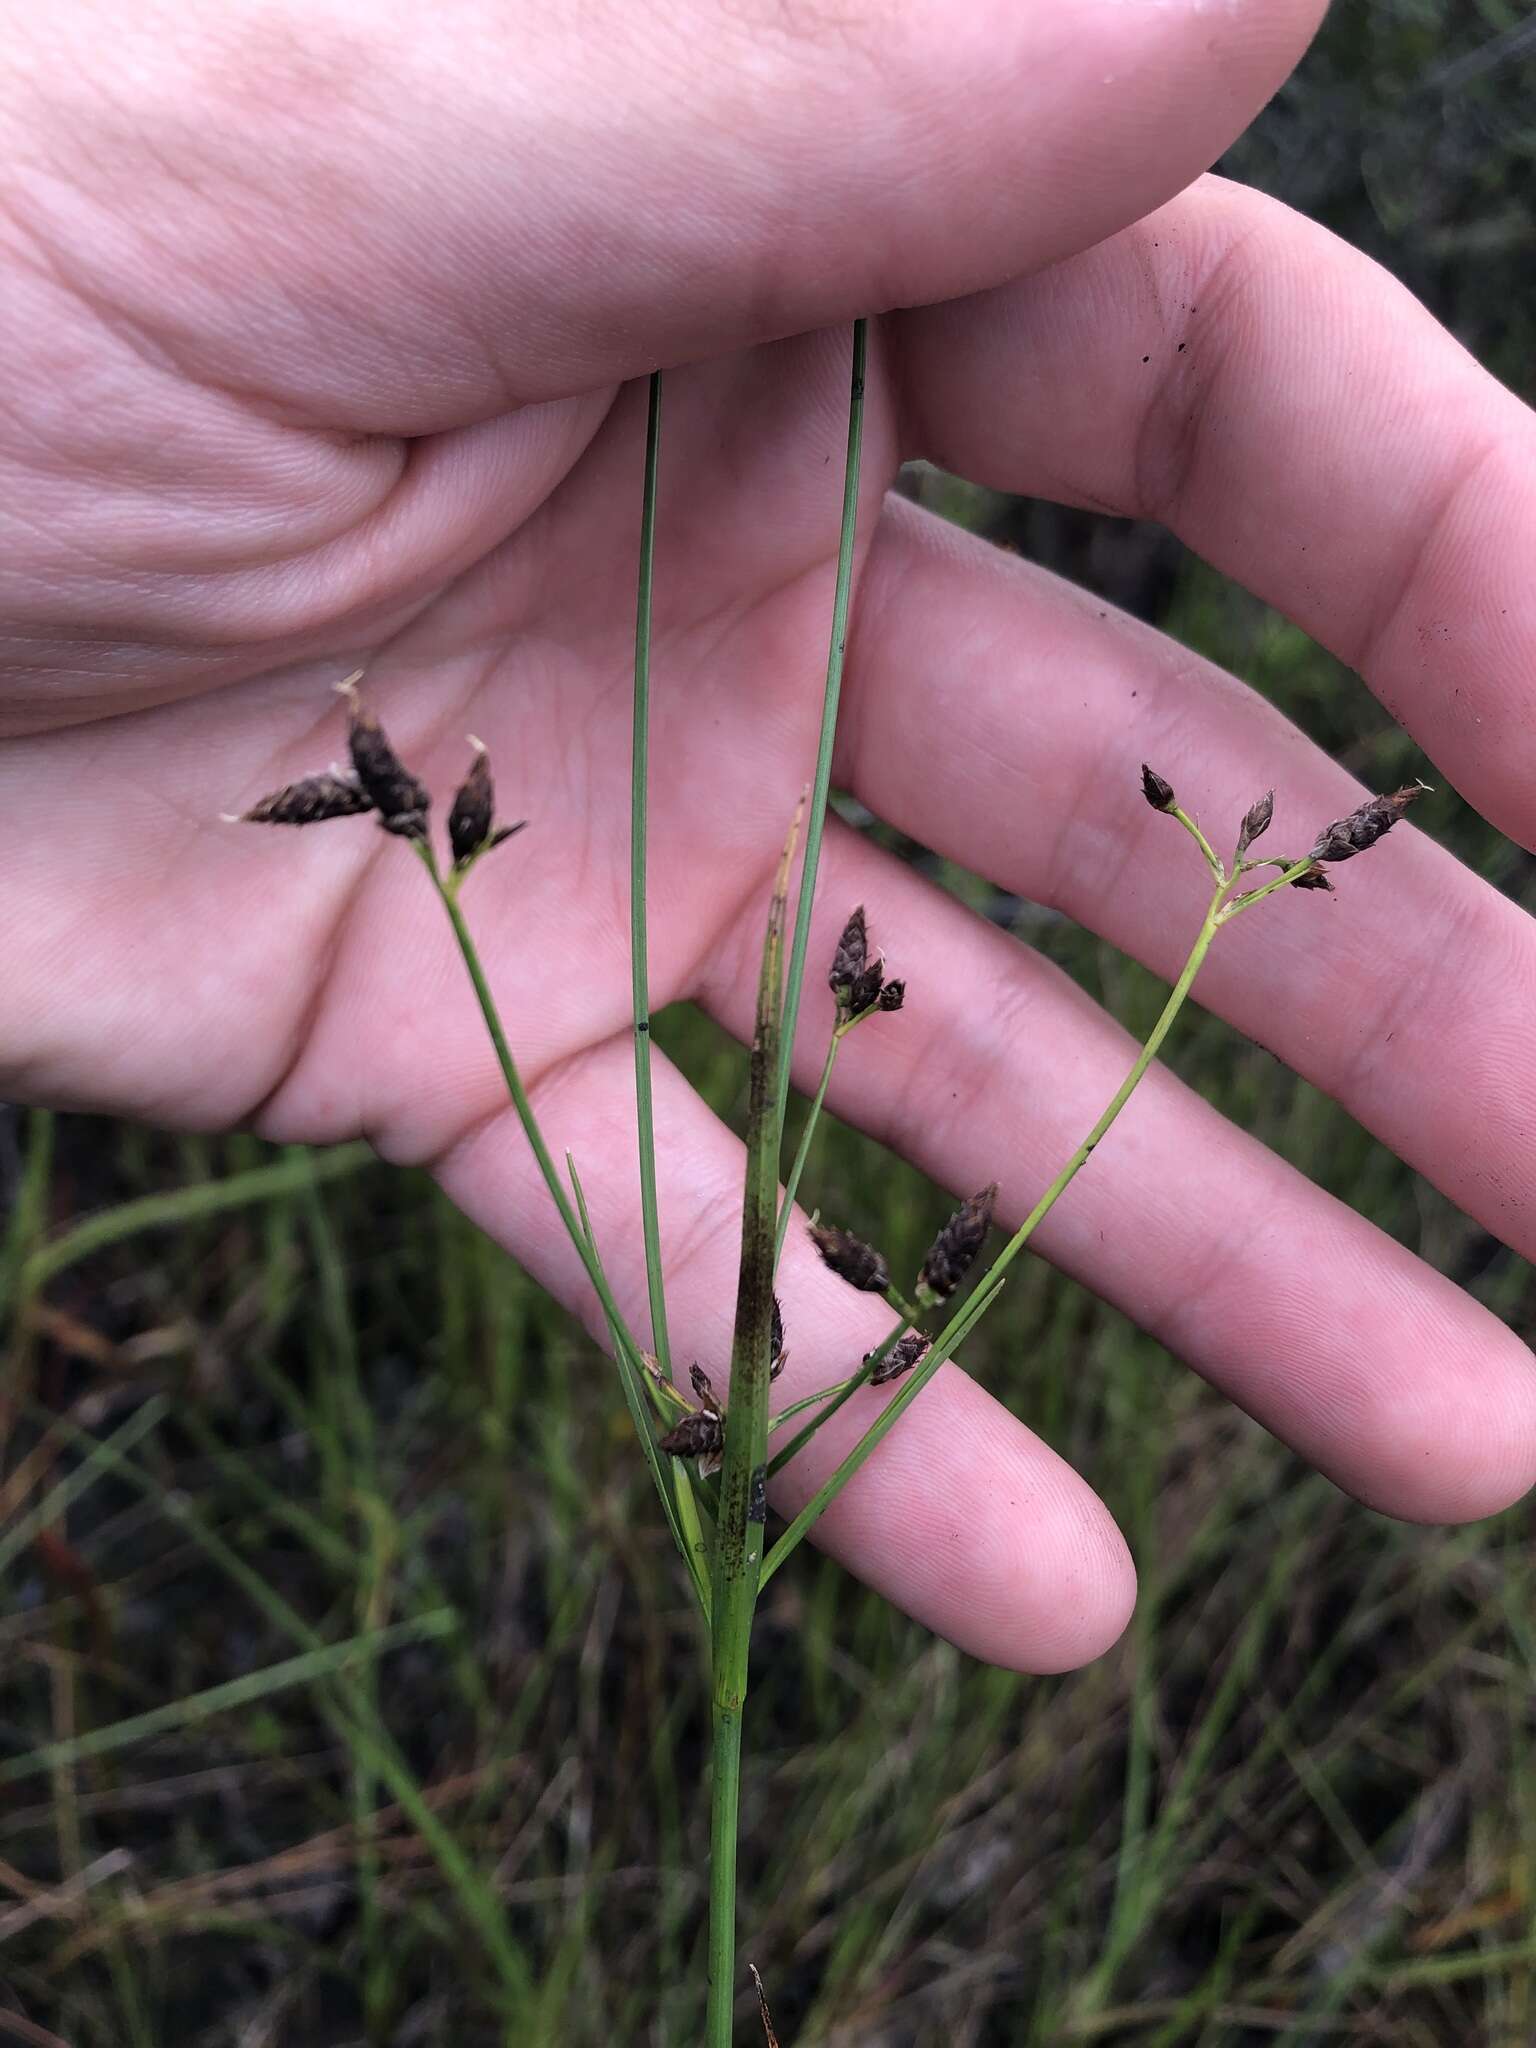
x: 327, y: 333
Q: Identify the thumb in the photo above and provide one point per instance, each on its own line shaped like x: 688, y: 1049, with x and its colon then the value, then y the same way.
x: 399, y: 219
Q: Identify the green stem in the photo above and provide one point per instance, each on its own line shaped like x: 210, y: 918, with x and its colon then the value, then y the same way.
x: 520, y: 1102
x: 638, y: 954
x: 834, y: 1396
x: 626, y: 1352
x: 803, y: 1150
x: 743, y: 1480
x: 833, y: 691
x: 965, y: 1318
x: 677, y: 1503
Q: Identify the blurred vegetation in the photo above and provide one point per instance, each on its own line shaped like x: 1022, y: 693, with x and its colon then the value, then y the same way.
x: 303, y: 1401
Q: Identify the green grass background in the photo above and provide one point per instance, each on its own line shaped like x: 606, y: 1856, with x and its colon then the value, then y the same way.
x: 261, y: 1405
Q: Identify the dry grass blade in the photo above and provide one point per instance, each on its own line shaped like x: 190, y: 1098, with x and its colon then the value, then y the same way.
x: 762, y: 2006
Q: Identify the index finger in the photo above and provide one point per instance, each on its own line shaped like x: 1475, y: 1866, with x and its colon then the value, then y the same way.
x: 486, y: 205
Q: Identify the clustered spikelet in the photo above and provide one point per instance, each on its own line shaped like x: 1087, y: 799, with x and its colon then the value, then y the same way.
x: 469, y: 822
x: 951, y: 1254
x: 1346, y: 837
x: 695, y: 1436
x: 310, y: 802
x: 851, y: 1259
x: 1341, y: 840
x: 850, y: 958
x: 909, y: 1349
x: 1256, y: 823
x: 858, y: 984
x: 381, y: 783
x: 400, y: 800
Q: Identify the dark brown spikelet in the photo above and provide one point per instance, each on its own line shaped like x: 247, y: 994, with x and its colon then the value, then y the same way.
x: 952, y: 1251
x: 1346, y: 837
x: 696, y: 1436
x: 866, y: 991
x: 776, y: 1342
x: 851, y: 1259
x: 850, y: 958
x: 474, y: 805
x: 1256, y: 823
x: 908, y: 1350
x: 310, y: 802
x: 893, y: 995
x: 1314, y: 878
x: 703, y: 1388
x: 400, y: 800
x: 1159, y: 794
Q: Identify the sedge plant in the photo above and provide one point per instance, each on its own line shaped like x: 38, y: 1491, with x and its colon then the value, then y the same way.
x: 712, y: 1450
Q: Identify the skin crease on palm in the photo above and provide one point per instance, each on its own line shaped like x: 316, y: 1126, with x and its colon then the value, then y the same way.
x: 328, y: 328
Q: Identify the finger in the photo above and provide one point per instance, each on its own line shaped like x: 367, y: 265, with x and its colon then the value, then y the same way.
x: 1236, y: 372
x: 483, y: 205
x: 962, y: 1517
x: 1407, y: 997
x: 1367, y: 1362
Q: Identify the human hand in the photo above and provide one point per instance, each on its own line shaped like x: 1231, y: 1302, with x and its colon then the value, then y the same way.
x: 325, y: 328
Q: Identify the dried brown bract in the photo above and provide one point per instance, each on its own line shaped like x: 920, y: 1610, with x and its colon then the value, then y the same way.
x: 1314, y: 878
x: 696, y: 1436
x: 850, y: 959
x: 851, y: 1259
x: 1159, y: 794
x: 893, y: 995
x: 908, y: 1350
x: 1346, y: 837
x: 703, y: 1388
x: 952, y: 1251
x: 400, y: 800
x: 1256, y: 823
x: 310, y: 802
x: 776, y: 1342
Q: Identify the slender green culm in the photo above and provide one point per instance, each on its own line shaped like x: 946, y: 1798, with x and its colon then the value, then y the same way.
x: 803, y: 1149
x: 821, y: 781
x: 639, y: 953
x: 965, y: 1318
x: 743, y: 1478
x: 680, y: 1510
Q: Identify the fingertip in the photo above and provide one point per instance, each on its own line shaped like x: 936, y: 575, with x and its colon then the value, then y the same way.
x: 1456, y: 1444
x: 980, y: 1531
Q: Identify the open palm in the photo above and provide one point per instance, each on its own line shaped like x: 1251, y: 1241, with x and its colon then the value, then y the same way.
x: 330, y: 357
